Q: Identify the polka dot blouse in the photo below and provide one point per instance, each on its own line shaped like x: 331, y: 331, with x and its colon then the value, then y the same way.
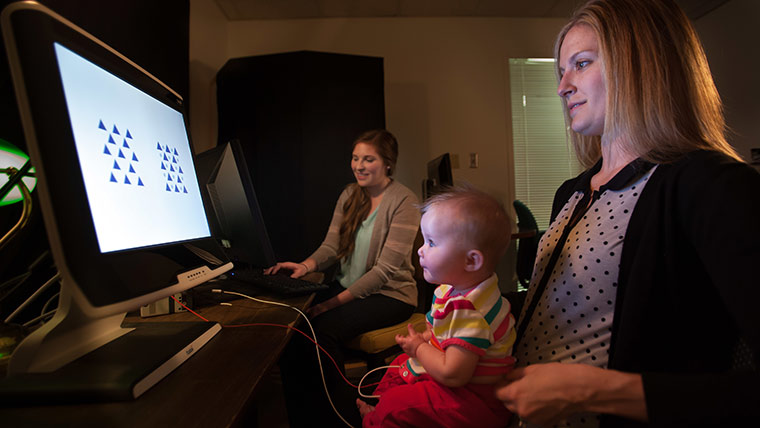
x: 573, y: 318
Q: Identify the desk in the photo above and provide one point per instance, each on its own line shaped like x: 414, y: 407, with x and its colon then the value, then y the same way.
x: 216, y: 387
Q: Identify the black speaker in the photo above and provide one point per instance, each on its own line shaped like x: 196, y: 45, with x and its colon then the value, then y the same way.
x: 296, y: 115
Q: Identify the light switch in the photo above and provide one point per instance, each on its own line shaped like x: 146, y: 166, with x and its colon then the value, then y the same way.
x: 473, y: 160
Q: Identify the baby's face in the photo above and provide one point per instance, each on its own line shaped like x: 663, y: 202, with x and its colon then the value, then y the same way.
x: 443, y: 254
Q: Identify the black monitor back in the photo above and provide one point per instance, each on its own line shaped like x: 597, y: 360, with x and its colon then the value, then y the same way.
x: 232, y: 207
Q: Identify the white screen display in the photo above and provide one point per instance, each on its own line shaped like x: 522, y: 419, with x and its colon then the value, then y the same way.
x: 135, y: 159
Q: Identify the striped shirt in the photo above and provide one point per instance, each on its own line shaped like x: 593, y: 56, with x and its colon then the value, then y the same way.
x: 478, y: 320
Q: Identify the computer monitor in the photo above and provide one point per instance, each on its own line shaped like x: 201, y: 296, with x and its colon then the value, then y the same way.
x: 120, y: 201
x: 439, y: 175
x: 232, y: 207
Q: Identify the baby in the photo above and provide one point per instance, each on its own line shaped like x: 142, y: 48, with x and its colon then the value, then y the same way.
x: 446, y: 375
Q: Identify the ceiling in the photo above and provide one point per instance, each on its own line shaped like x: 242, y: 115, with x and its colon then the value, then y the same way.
x: 297, y: 9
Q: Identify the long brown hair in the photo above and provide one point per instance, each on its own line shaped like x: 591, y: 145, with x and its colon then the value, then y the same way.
x: 356, y: 208
x: 660, y: 94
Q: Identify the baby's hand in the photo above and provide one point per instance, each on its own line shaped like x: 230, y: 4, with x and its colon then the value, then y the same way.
x: 410, y: 342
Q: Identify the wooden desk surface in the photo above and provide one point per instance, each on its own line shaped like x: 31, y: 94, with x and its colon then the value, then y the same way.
x: 213, y: 388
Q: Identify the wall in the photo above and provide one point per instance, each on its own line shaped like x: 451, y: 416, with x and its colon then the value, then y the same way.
x: 446, y: 78
x: 445, y: 81
x: 208, y: 52
x: 729, y: 36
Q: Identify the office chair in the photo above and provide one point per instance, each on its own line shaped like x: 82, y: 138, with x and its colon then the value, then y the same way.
x: 377, y: 346
x: 526, y: 247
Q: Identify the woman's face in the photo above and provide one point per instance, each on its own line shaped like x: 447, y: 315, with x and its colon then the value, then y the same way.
x: 369, y: 168
x: 581, y: 85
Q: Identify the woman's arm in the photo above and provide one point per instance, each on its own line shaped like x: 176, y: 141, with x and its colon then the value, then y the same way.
x: 546, y: 394
x: 340, y: 299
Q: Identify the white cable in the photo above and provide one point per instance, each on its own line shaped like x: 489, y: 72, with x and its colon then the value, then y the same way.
x: 39, y: 291
x: 313, y: 334
x: 50, y: 300
x: 41, y: 317
x: 368, y: 373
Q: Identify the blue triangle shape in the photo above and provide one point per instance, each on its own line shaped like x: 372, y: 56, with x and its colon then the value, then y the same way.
x: 165, y: 158
x: 115, y: 131
x: 132, y: 170
x: 101, y: 126
x: 162, y: 166
x: 175, y: 152
x: 110, y: 139
x: 105, y: 150
x: 129, y: 135
x: 121, y: 155
x: 126, y: 180
x: 174, y: 159
x: 169, y: 177
x: 125, y: 144
x: 158, y: 146
x: 115, y: 164
x: 180, y: 170
x: 168, y: 188
x: 179, y: 179
x: 167, y: 150
x: 113, y: 179
x: 139, y: 182
x: 134, y: 158
x: 176, y: 189
x: 171, y: 168
x: 185, y: 189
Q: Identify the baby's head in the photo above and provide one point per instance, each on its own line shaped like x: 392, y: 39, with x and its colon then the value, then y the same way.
x: 466, y: 232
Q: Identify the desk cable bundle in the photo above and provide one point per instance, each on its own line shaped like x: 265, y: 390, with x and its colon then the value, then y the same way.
x: 313, y: 338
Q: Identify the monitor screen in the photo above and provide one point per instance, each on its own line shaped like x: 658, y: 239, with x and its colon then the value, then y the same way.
x: 439, y: 175
x: 232, y: 207
x: 135, y: 159
x: 118, y: 194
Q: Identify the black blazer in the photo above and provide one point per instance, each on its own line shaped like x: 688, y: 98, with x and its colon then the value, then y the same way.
x: 688, y: 290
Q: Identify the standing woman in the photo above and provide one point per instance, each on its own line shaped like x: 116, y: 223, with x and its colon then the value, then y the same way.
x: 371, y: 235
x: 641, y: 310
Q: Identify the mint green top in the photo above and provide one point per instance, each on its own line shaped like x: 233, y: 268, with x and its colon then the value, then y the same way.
x: 389, y: 269
x: 356, y: 265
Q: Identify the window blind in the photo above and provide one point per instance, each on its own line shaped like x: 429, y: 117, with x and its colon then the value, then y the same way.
x: 543, y: 155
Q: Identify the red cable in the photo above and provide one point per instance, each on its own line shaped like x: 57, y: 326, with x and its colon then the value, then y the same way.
x: 183, y: 305
x: 285, y: 326
x: 312, y: 341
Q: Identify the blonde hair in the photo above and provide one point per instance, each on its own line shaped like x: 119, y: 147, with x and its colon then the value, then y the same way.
x: 356, y: 208
x: 660, y: 94
x: 477, y: 217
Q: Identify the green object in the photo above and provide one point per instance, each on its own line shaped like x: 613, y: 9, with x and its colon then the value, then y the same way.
x: 12, y: 157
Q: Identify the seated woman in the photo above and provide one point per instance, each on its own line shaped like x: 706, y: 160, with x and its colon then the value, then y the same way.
x: 371, y: 235
x: 645, y: 282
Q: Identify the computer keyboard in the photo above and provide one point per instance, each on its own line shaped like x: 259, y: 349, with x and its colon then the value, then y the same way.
x: 279, y: 284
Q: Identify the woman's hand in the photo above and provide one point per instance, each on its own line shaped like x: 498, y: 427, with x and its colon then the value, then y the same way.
x: 316, y: 310
x: 546, y: 394
x: 297, y: 269
x: 341, y: 298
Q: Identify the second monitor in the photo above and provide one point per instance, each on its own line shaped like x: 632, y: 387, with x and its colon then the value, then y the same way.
x: 232, y: 207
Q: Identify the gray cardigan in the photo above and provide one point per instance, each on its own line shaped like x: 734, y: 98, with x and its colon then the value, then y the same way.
x: 389, y: 265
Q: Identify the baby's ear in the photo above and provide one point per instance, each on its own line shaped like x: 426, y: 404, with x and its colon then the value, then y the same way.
x: 474, y: 261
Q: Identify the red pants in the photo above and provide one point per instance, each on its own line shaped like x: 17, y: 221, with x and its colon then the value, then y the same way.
x: 427, y: 403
